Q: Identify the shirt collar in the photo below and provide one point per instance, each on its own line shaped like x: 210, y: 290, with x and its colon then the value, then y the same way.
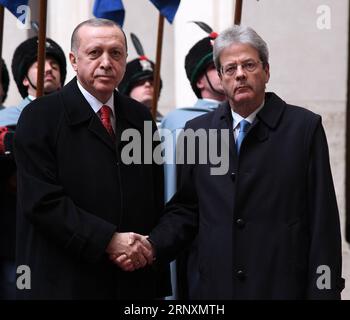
x: 211, y: 100
x: 95, y: 103
x: 238, y: 118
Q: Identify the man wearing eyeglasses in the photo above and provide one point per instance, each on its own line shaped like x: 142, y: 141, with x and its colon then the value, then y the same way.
x: 269, y: 227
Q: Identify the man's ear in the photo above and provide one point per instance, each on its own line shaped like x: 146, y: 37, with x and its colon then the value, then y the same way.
x: 199, y: 85
x: 25, y: 81
x: 73, y: 60
x: 200, y: 82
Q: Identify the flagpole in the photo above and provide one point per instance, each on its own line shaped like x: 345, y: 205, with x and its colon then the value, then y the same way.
x: 1, y: 36
x: 1, y: 27
x: 41, y: 47
x: 238, y: 12
x: 157, y: 66
x: 347, y: 145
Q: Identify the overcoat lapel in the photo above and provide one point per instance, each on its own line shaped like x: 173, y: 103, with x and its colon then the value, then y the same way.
x: 223, y: 120
x: 267, y: 119
x: 78, y: 111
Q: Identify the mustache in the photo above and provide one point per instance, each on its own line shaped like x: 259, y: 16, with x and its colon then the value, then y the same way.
x: 104, y: 74
x: 242, y: 85
x: 49, y: 74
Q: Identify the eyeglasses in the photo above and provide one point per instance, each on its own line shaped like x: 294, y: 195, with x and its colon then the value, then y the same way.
x: 231, y: 69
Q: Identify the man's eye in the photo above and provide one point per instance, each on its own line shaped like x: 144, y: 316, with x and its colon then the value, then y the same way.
x: 116, y: 54
x: 231, y: 69
x: 249, y: 65
x: 93, y: 53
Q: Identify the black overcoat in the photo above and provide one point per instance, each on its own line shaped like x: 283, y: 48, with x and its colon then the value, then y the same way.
x: 74, y: 192
x: 267, y: 227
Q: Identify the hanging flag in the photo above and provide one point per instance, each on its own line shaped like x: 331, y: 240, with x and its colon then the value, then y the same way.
x: 12, y: 6
x: 167, y: 8
x: 110, y: 9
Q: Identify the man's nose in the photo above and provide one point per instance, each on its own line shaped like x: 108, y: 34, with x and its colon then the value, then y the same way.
x: 240, y: 73
x: 105, y: 61
x: 48, y: 66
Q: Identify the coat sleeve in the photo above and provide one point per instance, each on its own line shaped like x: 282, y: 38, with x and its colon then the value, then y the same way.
x: 43, y: 206
x: 178, y: 226
x: 324, y: 228
x: 162, y: 268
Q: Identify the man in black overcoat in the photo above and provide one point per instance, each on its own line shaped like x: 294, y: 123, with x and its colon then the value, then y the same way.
x: 268, y: 226
x: 77, y: 197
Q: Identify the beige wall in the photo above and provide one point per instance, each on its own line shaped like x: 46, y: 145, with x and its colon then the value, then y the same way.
x: 141, y: 18
x: 218, y: 15
x: 11, y: 38
x: 308, y: 65
x: 63, y: 17
x: 309, y: 68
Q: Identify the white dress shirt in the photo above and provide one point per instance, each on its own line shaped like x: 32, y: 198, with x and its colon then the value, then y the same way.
x: 97, y: 104
x: 238, y: 118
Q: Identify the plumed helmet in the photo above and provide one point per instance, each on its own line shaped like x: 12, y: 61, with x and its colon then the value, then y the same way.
x: 26, y: 54
x: 200, y: 57
x: 138, y: 69
x: 5, y: 80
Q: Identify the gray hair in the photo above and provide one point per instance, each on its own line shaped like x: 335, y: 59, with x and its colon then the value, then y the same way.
x: 239, y: 34
x: 94, y: 22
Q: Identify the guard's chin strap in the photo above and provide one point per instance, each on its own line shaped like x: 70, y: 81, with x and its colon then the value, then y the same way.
x: 31, y: 83
x: 211, y: 86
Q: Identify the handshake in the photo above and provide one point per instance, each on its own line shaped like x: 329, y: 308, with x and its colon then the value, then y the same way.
x: 130, y: 251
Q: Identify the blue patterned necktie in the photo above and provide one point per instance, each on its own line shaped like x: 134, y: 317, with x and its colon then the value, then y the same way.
x: 243, y: 128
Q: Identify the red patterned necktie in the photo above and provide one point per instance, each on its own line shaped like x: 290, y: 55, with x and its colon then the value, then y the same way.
x: 105, y: 116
